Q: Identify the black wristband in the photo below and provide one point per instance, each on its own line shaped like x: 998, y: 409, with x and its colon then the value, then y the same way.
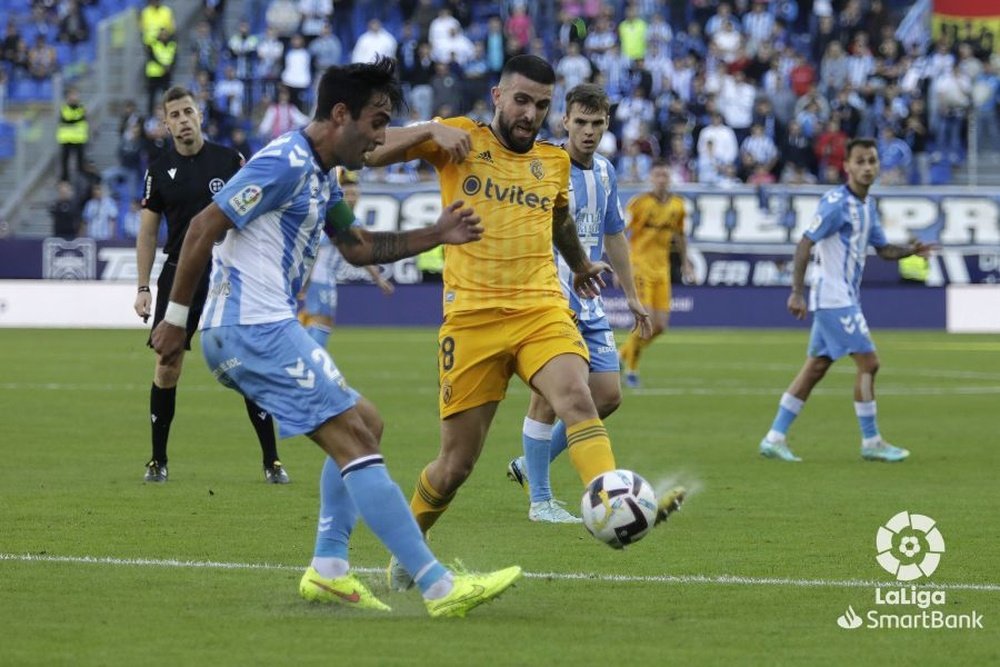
x: 143, y: 288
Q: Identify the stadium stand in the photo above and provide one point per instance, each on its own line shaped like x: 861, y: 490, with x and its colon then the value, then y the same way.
x: 761, y: 75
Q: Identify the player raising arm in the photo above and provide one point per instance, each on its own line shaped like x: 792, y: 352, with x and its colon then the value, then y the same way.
x: 504, y: 309
x: 271, y: 215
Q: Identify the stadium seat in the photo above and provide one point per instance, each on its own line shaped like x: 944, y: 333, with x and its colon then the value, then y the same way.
x: 8, y: 140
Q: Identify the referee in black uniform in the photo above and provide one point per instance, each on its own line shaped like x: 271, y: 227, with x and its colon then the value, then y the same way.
x: 179, y: 184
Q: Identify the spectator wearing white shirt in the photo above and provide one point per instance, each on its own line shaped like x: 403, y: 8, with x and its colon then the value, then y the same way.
x: 441, y: 27
x: 100, y: 215
x: 632, y: 113
x: 270, y: 53
x: 376, y: 41
x: 660, y: 68
x: 736, y: 99
x: 722, y: 138
x: 284, y: 17
x: 658, y: 33
x: 297, y: 74
x: 573, y: 67
x: 728, y: 41
x: 455, y: 47
x: 601, y: 38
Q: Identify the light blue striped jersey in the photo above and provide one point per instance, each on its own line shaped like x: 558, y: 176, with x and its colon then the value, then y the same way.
x: 278, y: 203
x: 596, y: 210
x: 842, y: 230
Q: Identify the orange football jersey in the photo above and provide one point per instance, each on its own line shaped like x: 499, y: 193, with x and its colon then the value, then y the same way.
x: 651, y: 227
x: 512, y: 265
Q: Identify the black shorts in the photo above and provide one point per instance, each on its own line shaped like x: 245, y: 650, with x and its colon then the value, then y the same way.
x: 163, y: 286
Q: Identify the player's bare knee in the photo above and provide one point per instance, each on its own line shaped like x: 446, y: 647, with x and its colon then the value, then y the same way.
x: 575, y: 404
x: 452, y: 471
x: 607, y: 403
x: 371, y: 418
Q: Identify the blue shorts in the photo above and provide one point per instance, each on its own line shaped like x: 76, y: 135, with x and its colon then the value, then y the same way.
x: 600, y: 341
x: 321, y: 299
x: 837, y: 332
x: 282, y: 369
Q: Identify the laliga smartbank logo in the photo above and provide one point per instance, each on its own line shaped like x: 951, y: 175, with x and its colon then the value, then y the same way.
x: 909, y: 547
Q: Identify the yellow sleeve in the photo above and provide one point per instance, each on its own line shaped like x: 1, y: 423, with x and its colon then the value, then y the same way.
x: 562, y: 199
x: 679, y: 214
x: 430, y: 151
x: 633, y: 211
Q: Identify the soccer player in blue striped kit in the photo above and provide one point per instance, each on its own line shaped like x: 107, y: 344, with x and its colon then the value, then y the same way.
x: 595, y: 208
x: 271, y: 215
x: 846, y: 223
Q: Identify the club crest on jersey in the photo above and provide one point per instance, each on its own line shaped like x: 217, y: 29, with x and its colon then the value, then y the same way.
x: 215, y: 185
x: 246, y: 199
x: 536, y: 169
x: 446, y: 393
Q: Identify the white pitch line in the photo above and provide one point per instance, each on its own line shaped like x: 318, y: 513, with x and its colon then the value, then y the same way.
x: 721, y: 579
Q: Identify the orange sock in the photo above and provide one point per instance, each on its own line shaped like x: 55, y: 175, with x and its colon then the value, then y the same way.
x: 427, y: 504
x: 590, y: 449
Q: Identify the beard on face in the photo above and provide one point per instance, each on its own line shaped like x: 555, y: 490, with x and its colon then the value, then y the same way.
x: 516, y: 144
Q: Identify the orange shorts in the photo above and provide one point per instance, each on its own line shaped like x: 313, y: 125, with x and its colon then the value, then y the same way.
x: 479, y: 351
x: 654, y: 291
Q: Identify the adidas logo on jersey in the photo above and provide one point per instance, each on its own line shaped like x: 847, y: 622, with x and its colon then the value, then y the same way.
x: 485, y: 157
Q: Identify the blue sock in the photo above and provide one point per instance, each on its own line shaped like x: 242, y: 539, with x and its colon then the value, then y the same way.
x: 536, y: 435
x: 337, y: 514
x: 788, y: 409
x: 318, y: 333
x: 558, y: 444
x: 387, y: 514
x: 866, y: 418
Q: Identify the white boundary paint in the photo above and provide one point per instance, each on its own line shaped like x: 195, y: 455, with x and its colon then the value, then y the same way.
x: 680, y: 579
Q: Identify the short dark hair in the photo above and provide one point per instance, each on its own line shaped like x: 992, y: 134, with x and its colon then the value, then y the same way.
x: 530, y: 67
x: 590, y: 97
x: 859, y: 142
x: 175, y: 93
x: 355, y: 85
x: 659, y: 162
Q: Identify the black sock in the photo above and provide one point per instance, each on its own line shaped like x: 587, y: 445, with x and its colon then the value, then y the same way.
x: 161, y: 413
x: 263, y: 424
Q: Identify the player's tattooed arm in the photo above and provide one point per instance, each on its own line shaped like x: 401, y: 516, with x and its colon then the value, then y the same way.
x: 893, y: 251
x: 455, y: 226
x: 361, y: 248
x: 567, y: 240
x: 587, y: 281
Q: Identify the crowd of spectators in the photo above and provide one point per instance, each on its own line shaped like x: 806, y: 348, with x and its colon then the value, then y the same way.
x: 747, y: 91
x: 728, y: 92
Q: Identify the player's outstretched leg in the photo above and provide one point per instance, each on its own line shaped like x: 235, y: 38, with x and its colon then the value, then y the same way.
x: 328, y: 578
x: 669, y: 503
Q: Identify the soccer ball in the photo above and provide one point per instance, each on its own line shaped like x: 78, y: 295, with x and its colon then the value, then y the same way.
x: 618, y: 508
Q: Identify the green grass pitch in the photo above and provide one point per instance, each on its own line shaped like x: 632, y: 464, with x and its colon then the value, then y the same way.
x: 755, y: 570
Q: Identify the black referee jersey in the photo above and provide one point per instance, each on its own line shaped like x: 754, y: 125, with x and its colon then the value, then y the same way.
x: 179, y: 187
